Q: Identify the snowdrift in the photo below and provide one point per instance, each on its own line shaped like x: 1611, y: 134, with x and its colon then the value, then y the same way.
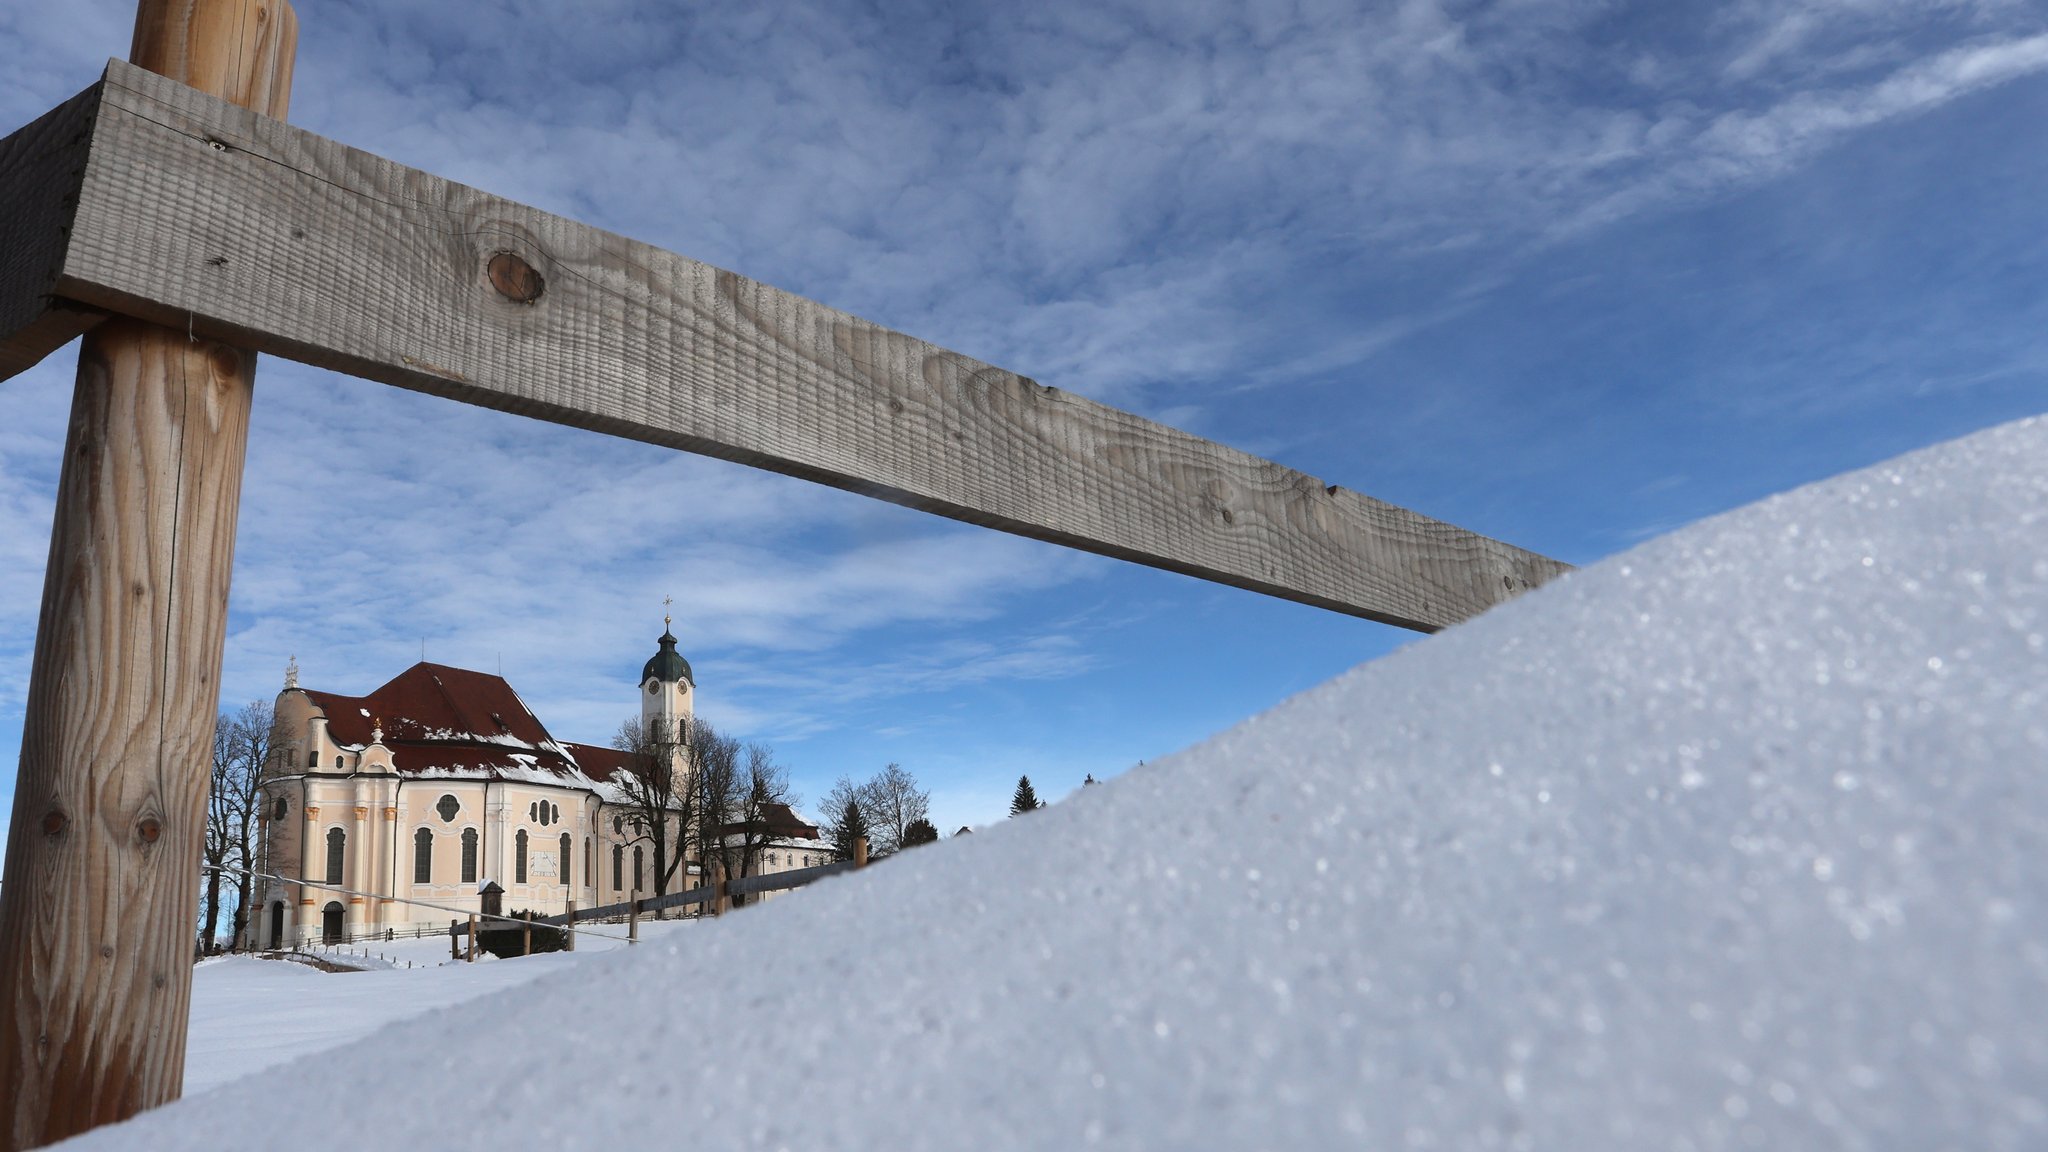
x: 1737, y: 840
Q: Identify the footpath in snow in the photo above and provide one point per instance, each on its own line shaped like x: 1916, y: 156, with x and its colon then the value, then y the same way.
x: 1733, y: 841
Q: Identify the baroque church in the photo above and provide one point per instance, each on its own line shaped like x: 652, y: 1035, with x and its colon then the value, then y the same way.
x: 391, y: 811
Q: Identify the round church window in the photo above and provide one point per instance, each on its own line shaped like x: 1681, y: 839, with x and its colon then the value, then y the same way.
x: 448, y: 807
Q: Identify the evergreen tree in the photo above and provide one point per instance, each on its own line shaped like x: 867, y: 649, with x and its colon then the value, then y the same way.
x: 852, y: 826
x: 920, y: 831
x: 1025, y: 799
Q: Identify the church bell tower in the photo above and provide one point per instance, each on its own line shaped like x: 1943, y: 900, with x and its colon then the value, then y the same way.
x: 666, y: 690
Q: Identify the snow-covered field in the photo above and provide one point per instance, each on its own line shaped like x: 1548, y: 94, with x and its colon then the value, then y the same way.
x: 1734, y: 841
x: 249, y: 1014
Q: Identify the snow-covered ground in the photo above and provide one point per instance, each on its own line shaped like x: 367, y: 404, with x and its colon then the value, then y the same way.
x: 1734, y: 841
x: 252, y: 1014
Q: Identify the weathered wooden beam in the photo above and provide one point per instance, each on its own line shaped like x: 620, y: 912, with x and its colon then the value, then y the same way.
x: 196, y: 213
x: 101, y: 895
x: 41, y: 167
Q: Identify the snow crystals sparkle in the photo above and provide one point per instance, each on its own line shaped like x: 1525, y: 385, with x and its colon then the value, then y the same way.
x: 1608, y: 868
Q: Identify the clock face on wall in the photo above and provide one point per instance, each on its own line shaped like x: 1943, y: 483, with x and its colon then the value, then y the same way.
x: 653, y: 688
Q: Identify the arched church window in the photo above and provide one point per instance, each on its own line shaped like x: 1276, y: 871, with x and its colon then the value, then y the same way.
x: 567, y: 849
x: 337, y: 763
x: 423, y: 856
x: 589, y: 861
x: 519, y: 858
x: 448, y: 807
x: 313, y: 758
x: 277, y: 812
x: 469, y: 855
x: 618, y: 866
x: 532, y: 811
x: 336, y: 842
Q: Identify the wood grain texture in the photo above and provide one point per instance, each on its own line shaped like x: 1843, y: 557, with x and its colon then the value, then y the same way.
x: 43, y: 164
x: 100, y: 899
x: 101, y: 888
x: 241, y: 51
x: 195, y: 212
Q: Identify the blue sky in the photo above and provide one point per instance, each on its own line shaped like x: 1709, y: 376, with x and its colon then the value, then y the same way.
x: 1567, y: 273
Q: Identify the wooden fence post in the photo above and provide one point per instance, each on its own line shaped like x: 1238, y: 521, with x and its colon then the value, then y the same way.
x: 569, y: 941
x: 472, y: 937
x: 860, y: 851
x: 526, y: 935
x: 109, y: 803
x: 633, y: 922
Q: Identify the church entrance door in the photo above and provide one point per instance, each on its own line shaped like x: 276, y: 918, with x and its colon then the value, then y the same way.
x: 330, y: 923
x: 276, y: 937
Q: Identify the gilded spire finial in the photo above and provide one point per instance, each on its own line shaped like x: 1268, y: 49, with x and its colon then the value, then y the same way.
x: 291, y: 673
x: 666, y: 620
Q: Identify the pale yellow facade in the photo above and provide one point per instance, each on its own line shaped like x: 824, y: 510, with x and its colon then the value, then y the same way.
x: 354, y: 847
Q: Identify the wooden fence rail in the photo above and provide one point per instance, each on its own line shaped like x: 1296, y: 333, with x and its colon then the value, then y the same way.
x: 190, y: 211
x: 738, y: 886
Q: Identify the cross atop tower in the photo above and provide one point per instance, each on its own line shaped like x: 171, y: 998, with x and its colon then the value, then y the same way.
x: 666, y: 620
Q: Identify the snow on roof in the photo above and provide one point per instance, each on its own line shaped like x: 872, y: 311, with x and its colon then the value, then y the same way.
x: 1731, y: 841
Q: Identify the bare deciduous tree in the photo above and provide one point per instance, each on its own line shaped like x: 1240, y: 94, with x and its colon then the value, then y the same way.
x: 890, y: 802
x: 716, y: 760
x: 657, y: 788
x: 835, y: 813
x: 242, y: 745
x: 215, y: 844
x: 738, y: 785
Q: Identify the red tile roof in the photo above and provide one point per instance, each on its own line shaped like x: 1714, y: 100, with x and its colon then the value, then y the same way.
x: 440, y: 720
x: 780, y: 822
x: 600, y: 762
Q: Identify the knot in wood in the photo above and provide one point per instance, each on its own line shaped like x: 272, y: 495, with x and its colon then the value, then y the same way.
x: 515, y: 279
x: 149, y: 829
x: 54, y: 822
